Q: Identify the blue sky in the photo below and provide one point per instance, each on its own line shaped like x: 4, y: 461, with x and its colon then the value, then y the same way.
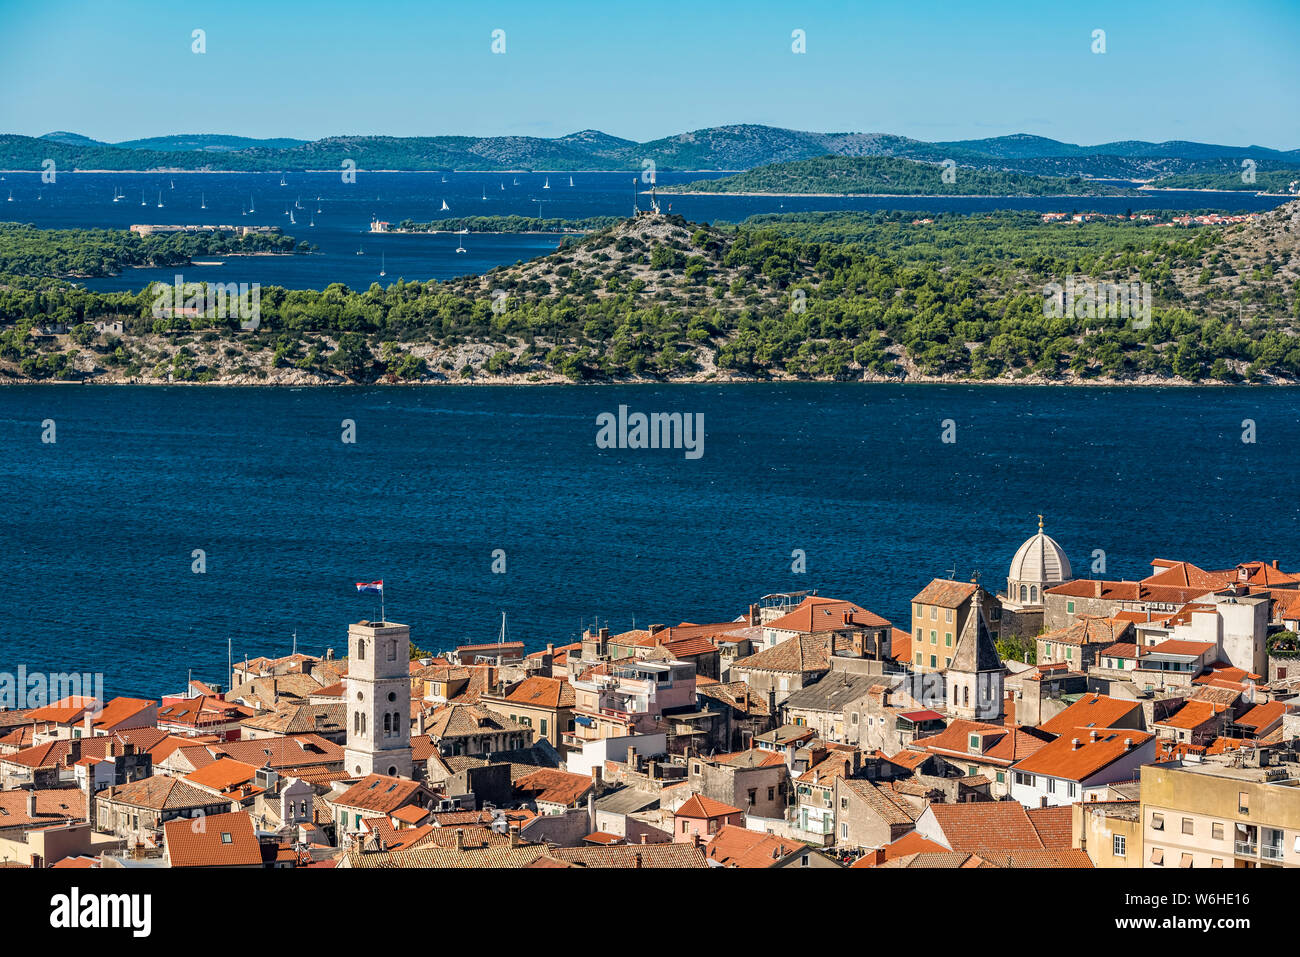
x: 1227, y: 73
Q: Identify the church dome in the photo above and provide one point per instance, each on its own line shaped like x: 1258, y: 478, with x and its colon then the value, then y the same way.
x: 1040, y: 561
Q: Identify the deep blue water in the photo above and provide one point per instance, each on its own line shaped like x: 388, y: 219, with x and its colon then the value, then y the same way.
x: 96, y: 553
x: 346, y: 210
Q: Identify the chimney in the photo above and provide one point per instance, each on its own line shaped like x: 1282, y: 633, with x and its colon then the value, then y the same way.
x: 514, y: 835
x: 110, y: 749
x: 643, y: 837
x: 1075, y: 744
x: 595, y: 776
x: 550, y: 649
x: 1093, y: 735
x: 1275, y: 563
x: 656, y: 628
x: 31, y: 803
x: 1096, y: 589
x: 753, y: 615
x: 650, y: 769
x: 1128, y: 744
x: 631, y: 759
x: 603, y: 633
x: 460, y: 839
x: 637, y: 865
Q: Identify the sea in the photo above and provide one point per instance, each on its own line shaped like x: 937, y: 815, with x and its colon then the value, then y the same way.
x: 153, y: 531
x: 335, y: 216
x: 164, y: 528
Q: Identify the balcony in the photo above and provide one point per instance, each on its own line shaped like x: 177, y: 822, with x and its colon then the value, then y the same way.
x: 1271, y: 852
x: 1247, y: 849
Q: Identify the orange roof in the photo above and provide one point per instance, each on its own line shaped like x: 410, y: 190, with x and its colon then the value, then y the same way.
x: 379, y: 792
x: 1264, y: 715
x: 63, y: 711
x: 736, y: 846
x: 945, y: 593
x: 1192, y: 715
x: 543, y: 692
x: 1002, y: 745
x: 699, y: 806
x: 1175, y: 646
x: 554, y: 786
x: 1091, y: 711
x: 216, y: 840
x: 824, y: 614
x: 1063, y: 759
x: 982, y: 824
x: 909, y: 843
x: 224, y: 774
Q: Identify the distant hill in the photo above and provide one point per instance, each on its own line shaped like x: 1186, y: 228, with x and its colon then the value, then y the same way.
x: 893, y: 176
x: 737, y: 147
x: 205, y: 141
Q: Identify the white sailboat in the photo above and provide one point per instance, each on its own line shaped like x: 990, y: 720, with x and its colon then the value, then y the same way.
x: 313, y: 221
x: 173, y: 184
x: 142, y: 202
x: 291, y: 219
x: 445, y: 207
x: 485, y: 192
x: 297, y: 203
x: 503, y: 184
x: 383, y: 265
x: 570, y: 180
x: 547, y: 184
x: 160, y: 203
x: 250, y: 203
x: 461, y: 232
x: 117, y: 197
x: 282, y: 182
x: 11, y: 195
x: 516, y: 180
x: 203, y: 200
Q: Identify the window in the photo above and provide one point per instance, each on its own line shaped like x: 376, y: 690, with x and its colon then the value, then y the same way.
x: 1243, y: 802
x: 948, y: 616
x: 771, y: 794
x: 934, y: 612
x: 918, y: 657
x: 1216, y: 831
x: 753, y: 796
x: 543, y: 726
x: 854, y: 719
x: 844, y: 804
x: 1002, y: 778
x: 947, y: 638
x: 1157, y: 856
x: 918, y: 634
x: 1069, y: 608
x: 361, y: 650
x: 934, y: 637
x: 225, y: 838
x: 844, y: 831
x: 934, y: 661
x: 1071, y: 789
x: 947, y: 662
x: 1157, y: 822
x: 1188, y: 826
x: 392, y: 650
x: 1119, y: 845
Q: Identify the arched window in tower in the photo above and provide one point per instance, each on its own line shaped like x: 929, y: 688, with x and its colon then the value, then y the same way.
x: 363, y: 725
x: 1033, y: 594
x: 361, y: 651
x: 965, y: 696
x: 392, y: 650
x: 1024, y: 593
x: 388, y: 718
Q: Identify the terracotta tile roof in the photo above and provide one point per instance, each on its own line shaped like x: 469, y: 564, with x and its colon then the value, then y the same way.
x: 1002, y: 745
x: 1176, y: 647
x: 1192, y: 715
x: 458, y: 720
x: 300, y: 751
x: 736, y: 694
x: 412, y: 814
x: 381, y: 793
x: 825, y: 771
x: 688, y: 647
x: 159, y: 793
x: 673, y: 856
x: 976, y: 825
x: 823, y: 614
x: 217, y: 840
x: 56, y: 753
x: 698, y: 806
x: 1264, y: 715
x: 900, y: 645
x: 1063, y: 857
x: 1088, y: 630
x: 1126, y: 591
x: 301, y: 718
x: 1061, y: 759
x: 53, y: 806
x: 736, y: 846
x: 1091, y: 711
x: 542, y: 693
x: 1187, y: 575
x: 889, y: 808
x: 1052, y: 824
x: 945, y: 593
x: 1225, y: 675
x: 1121, y: 649
x: 802, y: 654
x: 225, y: 774
x: 753, y: 758
x: 603, y: 838
x: 909, y: 843
x: 553, y: 786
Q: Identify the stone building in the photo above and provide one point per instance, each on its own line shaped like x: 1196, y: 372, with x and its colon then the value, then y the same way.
x: 1039, y: 564
x: 378, y: 700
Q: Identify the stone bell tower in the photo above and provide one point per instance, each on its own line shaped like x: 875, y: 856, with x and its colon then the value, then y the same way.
x: 378, y: 700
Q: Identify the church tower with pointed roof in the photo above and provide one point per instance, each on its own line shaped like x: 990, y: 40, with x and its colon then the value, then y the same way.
x: 974, y: 680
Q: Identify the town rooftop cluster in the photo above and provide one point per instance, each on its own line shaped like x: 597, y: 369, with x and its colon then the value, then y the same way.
x: 1061, y: 722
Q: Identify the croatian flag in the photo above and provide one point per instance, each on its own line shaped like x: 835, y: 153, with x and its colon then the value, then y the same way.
x: 371, y: 588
